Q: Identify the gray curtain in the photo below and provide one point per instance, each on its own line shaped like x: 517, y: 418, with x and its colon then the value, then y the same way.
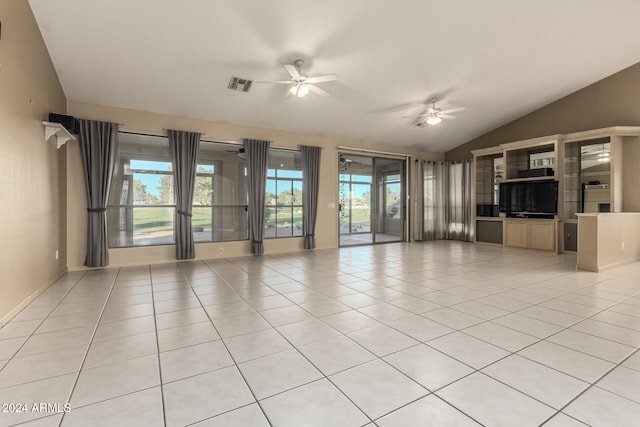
x: 310, y: 183
x: 98, y: 145
x: 418, y: 201
x: 183, y: 147
x: 447, y: 201
x: 257, y: 155
x: 459, y: 212
x: 434, y: 186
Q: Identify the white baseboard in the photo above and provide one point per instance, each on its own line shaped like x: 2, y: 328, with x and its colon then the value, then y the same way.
x: 10, y: 315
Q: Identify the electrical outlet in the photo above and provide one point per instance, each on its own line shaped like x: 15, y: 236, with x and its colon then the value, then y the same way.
x: 622, y: 245
x: 57, y: 255
x: 221, y: 250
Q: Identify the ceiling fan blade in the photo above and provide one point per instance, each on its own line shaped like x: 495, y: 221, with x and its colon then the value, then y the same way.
x: 453, y: 110
x: 322, y: 79
x: 413, y: 117
x: 284, y: 82
x: 292, y: 70
x: 446, y: 116
x: 317, y: 90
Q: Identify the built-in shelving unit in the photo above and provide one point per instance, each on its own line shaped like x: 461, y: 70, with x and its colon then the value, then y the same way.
x: 587, y: 166
x: 531, y: 156
x: 56, y: 129
x: 489, y: 172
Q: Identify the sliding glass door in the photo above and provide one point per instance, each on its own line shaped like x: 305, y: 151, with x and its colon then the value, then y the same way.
x: 390, y: 206
x: 372, y: 201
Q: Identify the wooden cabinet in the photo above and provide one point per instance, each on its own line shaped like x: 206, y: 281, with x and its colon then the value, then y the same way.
x: 515, y: 232
x: 542, y: 235
x: 530, y: 234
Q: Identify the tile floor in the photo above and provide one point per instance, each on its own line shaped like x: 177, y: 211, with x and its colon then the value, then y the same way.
x: 433, y: 334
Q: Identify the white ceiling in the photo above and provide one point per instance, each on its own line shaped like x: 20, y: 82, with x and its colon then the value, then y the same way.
x: 500, y: 59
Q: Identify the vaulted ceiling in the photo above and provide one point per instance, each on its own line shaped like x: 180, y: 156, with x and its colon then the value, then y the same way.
x: 499, y: 59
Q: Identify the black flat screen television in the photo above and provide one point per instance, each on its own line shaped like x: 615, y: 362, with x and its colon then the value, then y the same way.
x: 529, y: 199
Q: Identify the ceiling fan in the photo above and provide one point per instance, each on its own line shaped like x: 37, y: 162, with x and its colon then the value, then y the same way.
x: 434, y: 115
x: 238, y: 151
x: 301, y: 84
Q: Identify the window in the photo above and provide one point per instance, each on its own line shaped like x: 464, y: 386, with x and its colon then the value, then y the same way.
x: 220, y: 194
x: 141, y: 206
x: 283, y: 199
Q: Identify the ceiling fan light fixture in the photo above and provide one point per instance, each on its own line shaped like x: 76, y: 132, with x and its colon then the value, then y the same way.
x: 432, y: 115
x: 301, y: 84
x: 300, y: 90
x: 433, y: 120
x: 303, y: 90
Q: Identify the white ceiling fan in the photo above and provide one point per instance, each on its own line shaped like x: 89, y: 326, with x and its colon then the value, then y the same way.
x: 301, y: 84
x: 433, y: 115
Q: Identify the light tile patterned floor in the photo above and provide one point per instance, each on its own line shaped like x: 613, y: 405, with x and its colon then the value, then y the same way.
x: 437, y: 334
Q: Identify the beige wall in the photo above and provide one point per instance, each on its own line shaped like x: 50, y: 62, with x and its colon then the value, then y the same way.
x: 613, y: 101
x: 154, y: 123
x: 32, y: 185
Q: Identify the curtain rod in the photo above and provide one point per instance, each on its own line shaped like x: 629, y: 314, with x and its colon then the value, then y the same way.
x: 212, y: 140
x: 364, y: 150
x: 141, y: 132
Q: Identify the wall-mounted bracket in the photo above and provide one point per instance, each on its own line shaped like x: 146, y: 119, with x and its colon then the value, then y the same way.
x: 62, y: 135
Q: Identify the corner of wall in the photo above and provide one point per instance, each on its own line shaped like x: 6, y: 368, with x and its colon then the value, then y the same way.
x: 31, y: 169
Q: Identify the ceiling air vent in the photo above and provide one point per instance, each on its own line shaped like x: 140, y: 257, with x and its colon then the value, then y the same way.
x: 240, y: 85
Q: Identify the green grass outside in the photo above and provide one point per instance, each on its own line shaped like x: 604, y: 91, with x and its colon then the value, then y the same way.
x: 284, y: 217
x: 152, y: 219
x: 159, y: 219
x: 201, y: 217
x: 360, y: 215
